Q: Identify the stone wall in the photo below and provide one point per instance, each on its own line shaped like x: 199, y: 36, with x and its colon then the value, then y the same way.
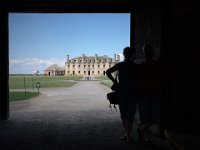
x: 180, y: 59
x: 148, y: 27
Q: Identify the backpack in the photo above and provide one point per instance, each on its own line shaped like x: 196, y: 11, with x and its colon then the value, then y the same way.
x: 113, y: 96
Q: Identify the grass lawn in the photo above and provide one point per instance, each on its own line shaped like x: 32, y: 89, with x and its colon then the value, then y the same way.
x: 21, y: 82
x: 14, y: 96
x: 102, y: 78
x: 28, y: 82
x: 107, y: 83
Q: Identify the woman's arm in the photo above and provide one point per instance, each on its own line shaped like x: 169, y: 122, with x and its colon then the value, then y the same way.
x: 111, y: 70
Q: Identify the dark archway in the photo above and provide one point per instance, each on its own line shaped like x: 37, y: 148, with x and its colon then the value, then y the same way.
x: 170, y: 26
x: 150, y: 20
x: 51, y: 6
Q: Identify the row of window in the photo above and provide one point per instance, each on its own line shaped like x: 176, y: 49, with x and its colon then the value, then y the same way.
x: 84, y: 72
x: 88, y: 60
x: 73, y: 66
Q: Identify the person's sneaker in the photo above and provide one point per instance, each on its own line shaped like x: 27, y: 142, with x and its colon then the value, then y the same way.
x: 129, y: 139
x: 123, y: 138
x: 142, y: 135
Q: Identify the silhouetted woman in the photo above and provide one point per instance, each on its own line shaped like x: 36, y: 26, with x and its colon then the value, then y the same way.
x: 127, y: 89
x: 148, y: 92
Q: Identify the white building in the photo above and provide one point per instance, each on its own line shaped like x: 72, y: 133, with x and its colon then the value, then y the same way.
x: 89, y: 65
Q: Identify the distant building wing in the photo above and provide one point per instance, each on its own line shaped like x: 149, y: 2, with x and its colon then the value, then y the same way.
x: 54, y: 70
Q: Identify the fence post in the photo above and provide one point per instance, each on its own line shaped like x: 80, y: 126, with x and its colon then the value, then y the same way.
x: 25, y: 86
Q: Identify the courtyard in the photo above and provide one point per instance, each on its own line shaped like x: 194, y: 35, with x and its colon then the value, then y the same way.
x: 77, y: 117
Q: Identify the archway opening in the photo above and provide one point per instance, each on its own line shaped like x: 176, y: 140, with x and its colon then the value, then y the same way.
x: 46, y: 42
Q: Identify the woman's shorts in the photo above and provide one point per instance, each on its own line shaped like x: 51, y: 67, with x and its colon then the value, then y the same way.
x: 127, y: 107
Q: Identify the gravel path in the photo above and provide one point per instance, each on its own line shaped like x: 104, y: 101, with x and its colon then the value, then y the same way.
x: 66, y: 119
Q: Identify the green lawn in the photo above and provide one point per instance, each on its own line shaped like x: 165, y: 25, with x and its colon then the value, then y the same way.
x: 102, y: 78
x: 107, y: 83
x: 17, y: 82
x: 21, y: 82
x: 15, y: 96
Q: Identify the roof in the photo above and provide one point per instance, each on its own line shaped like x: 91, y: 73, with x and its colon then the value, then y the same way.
x: 105, y: 57
x: 54, y: 67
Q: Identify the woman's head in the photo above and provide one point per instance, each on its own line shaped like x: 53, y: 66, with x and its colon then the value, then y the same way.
x: 148, y: 50
x: 129, y: 53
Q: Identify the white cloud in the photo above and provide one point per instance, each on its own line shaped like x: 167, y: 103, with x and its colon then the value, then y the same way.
x: 28, y: 65
x: 34, y: 61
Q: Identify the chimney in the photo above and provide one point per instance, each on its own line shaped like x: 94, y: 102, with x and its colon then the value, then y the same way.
x: 83, y: 57
x: 96, y: 57
x: 114, y: 57
x: 118, y: 57
x: 67, y: 58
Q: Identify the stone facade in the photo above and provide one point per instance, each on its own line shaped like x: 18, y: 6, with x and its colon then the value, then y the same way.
x: 89, y: 65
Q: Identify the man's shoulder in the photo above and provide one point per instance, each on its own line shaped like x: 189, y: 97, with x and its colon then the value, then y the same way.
x: 119, y: 64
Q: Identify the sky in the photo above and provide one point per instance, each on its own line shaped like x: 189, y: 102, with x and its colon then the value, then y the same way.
x: 37, y: 41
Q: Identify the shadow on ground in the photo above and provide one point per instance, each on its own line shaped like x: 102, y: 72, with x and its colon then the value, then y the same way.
x: 76, y: 118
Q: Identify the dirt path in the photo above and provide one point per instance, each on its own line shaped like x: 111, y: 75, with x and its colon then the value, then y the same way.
x: 65, y: 119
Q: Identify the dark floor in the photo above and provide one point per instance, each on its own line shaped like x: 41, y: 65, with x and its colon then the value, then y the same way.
x: 61, y: 135
x: 68, y: 119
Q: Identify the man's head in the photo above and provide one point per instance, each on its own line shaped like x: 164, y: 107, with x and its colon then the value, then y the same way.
x: 129, y: 53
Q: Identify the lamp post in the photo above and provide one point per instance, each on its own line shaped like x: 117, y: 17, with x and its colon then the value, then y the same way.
x: 38, y: 86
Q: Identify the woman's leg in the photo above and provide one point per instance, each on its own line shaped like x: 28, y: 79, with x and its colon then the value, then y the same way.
x: 127, y: 111
x: 144, y: 119
x: 128, y: 120
x: 125, y: 122
x: 128, y: 128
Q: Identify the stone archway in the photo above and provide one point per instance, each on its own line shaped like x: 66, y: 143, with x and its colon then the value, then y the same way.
x: 54, y: 6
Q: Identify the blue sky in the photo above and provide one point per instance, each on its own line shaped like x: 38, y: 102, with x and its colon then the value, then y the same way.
x: 39, y: 40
